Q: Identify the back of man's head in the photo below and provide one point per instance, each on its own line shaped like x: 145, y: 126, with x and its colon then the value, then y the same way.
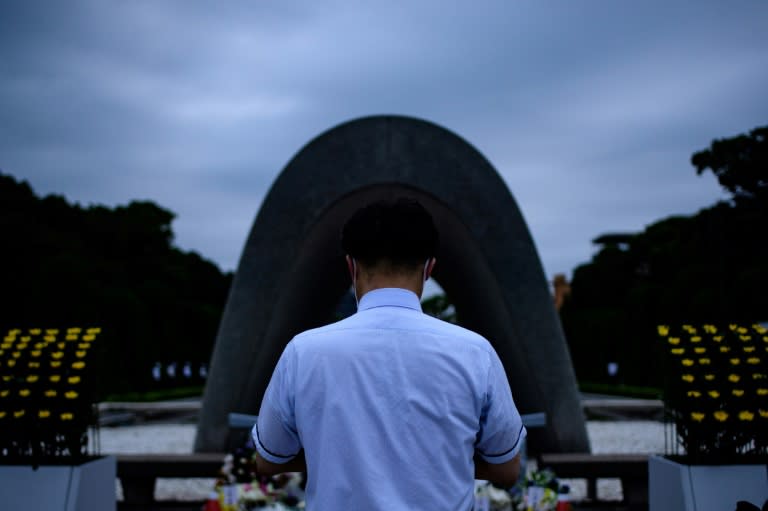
x: 399, y: 233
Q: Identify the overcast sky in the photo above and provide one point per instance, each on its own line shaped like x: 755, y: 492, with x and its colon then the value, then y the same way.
x: 589, y: 110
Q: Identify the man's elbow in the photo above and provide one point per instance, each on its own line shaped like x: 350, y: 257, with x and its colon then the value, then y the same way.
x: 503, y: 475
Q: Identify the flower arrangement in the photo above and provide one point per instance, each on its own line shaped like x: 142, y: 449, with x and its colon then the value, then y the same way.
x: 240, y: 488
x: 46, y: 394
x: 538, y: 491
x: 716, y: 391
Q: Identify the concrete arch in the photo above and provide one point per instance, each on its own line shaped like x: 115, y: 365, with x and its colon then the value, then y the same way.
x: 292, y: 273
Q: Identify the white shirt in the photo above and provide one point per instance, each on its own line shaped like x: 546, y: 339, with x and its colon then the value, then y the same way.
x: 390, y: 406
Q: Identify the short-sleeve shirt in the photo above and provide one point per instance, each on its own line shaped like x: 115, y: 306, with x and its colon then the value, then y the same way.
x: 390, y: 405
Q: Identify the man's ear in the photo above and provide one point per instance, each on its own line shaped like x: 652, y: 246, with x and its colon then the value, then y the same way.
x: 428, y: 270
x: 351, y: 266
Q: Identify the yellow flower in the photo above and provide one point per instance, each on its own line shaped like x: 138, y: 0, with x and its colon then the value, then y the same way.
x: 35, y: 353
x: 2, y: 414
x: 721, y: 416
x: 4, y: 393
x: 54, y: 378
x: 699, y: 350
x: 698, y: 417
x: 11, y: 363
x: 61, y: 345
x: 95, y: 330
x: 57, y: 354
x: 83, y: 346
x: 674, y: 340
x: 704, y: 361
x: 71, y: 337
x: 749, y: 349
x: 713, y: 394
x: 760, y: 329
x: 709, y: 377
x: 746, y: 415
x: 763, y: 413
x: 89, y: 338
x: 695, y: 338
x: 73, y: 379
x: 49, y: 338
x: 18, y: 414
x: 67, y: 416
x: 44, y: 414
x: 33, y: 365
x: 733, y: 327
x: 52, y: 331
x: 7, y: 377
x: 757, y: 376
x: 74, y: 330
x: 21, y: 346
x: 677, y: 351
x: 735, y: 361
x: 742, y: 330
x: 80, y: 354
x: 724, y: 349
x: 25, y: 338
x: 753, y: 360
x: 734, y: 378
x: 50, y: 393
x: 24, y: 392
x: 687, y: 362
x: 694, y: 393
x: 710, y: 329
x: 71, y: 394
x: 663, y: 330
x: 16, y: 354
x: 745, y: 338
x: 737, y: 392
x: 6, y: 346
x: 689, y: 329
x: 32, y: 378
x: 762, y: 392
x: 78, y: 365
x: 34, y: 331
x: 688, y: 377
x: 40, y: 345
x: 55, y: 363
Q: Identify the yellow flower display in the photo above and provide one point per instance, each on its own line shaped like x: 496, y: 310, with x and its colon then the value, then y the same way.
x: 721, y: 416
x: 698, y: 417
x: 746, y: 415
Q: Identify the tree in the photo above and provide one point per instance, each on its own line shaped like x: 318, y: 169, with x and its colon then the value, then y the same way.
x: 740, y: 165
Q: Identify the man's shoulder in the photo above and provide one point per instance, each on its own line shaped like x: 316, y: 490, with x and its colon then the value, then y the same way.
x: 418, y: 323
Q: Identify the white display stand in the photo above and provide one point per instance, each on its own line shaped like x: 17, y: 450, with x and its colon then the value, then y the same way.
x: 86, y: 487
x: 673, y: 486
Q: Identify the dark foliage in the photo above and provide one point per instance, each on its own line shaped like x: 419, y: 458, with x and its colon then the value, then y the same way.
x: 116, y: 268
x: 707, y: 268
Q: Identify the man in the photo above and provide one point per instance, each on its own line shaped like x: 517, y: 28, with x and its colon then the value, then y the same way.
x: 394, y: 409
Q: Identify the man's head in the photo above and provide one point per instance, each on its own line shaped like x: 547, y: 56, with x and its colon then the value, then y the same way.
x: 390, y: 239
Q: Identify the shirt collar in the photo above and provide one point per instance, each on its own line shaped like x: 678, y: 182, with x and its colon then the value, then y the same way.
x: 389, y: 297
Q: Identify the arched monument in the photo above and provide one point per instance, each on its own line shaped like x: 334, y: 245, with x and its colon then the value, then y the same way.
x: 292, y: 273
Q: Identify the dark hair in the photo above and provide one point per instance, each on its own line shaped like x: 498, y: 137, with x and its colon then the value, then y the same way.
x: 400, y: 232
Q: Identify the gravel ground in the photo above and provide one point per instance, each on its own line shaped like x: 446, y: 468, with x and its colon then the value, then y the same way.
x: 605, y: 437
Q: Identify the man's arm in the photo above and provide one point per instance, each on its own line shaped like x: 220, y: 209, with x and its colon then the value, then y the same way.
x: 503, y: 475
x: 267, y: 468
